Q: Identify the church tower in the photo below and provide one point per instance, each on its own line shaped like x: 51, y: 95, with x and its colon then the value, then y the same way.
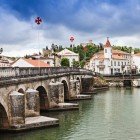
x: 108, y: 49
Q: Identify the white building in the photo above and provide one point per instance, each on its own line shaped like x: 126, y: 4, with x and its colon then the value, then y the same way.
x: 136, y: 62
x: 5, y: 61
x: 70, y: 55
x: 22, y: 62
x: 49, y: 61
x: 109, y: 61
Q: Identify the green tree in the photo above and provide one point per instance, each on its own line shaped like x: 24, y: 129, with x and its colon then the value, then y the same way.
x: 65, y: 62
x: 75, y: 64
x: 82, y: 63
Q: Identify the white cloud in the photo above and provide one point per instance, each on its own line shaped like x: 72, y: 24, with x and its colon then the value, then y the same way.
x: 19, y: 37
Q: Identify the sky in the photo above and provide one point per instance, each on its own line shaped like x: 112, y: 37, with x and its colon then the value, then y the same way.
x: 83, y: 19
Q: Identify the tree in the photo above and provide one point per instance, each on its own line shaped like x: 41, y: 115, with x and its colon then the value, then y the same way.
x: 75, y: 64
x: 82, y: 63
x: 65, y: 62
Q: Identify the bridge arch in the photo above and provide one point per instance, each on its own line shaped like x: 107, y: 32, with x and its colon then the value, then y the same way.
x: 44, y: 102
x: 4, y: 121
x: 66, y: 90
x: 21, y: 90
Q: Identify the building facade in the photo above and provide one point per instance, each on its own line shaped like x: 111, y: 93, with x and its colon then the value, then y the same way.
x: 69, y: 55
x: 136, y: 63
x: 5, y: 61
x: 110, y: 61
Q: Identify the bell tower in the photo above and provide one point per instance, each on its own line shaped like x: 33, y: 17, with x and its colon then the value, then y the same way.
x: 108, y: 49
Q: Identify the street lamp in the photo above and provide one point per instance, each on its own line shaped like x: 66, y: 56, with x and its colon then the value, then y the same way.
x: 72, y: 39
x: 1, y: 50
x: 54, y: 48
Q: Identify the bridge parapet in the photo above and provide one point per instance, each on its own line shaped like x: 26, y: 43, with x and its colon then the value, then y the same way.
x: 13, y: 72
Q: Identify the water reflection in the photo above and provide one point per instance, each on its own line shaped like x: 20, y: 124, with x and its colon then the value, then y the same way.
x: 111, y: 115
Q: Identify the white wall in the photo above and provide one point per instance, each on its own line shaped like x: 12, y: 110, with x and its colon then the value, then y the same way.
x: 50, y: 61
x: 108, y: 52
x: 136, y: 62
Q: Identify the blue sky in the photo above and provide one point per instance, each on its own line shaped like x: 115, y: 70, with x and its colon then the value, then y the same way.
x: 84, y: 19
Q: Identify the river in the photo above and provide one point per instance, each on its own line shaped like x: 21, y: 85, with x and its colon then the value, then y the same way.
x: 110, y: 115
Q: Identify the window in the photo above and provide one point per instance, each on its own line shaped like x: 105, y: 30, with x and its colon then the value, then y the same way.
x: 105, y: 50
x: 118, y: 63
x: 114, y: 63
x: 122, y: 63
x: 111, y: 63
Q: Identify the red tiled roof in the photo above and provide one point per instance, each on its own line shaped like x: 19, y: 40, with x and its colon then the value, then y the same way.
x: 118, y: 57
x: 107, y: 43
x: 37, y: 63
x: 116, y: 54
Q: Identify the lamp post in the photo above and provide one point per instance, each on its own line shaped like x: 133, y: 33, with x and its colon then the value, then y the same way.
x: 72, y: 39
x: 38, y: 21
x: 54, y: 48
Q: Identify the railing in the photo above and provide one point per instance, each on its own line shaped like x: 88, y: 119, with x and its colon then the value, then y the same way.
x: 14, y: 72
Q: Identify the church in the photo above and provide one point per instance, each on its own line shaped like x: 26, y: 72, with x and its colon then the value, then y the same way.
x: 110, y: 61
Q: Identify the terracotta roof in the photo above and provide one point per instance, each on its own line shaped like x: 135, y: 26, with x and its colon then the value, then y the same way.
x: 117, y: 54
x: 37, y: 63
x: 99, y: 56
x: 107, y: 43
x: 118, y: 57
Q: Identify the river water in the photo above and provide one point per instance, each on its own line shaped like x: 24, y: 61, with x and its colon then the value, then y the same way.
x: 110, y: 115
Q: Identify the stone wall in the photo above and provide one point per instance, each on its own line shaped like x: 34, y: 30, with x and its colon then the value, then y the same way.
x: 20, y: 99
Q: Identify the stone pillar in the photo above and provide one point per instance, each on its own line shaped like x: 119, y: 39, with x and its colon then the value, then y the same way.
x: 32, y: 105
x: 61, y: 92
x: 78, y: 90
x: 87, y: 83
x: 72, y: 89
x: 53, y: 94
x: 17, y: 108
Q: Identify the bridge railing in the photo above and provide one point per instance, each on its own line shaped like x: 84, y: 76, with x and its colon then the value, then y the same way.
x: 14, y: 72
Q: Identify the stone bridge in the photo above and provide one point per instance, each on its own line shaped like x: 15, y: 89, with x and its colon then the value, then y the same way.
x: 26, y: 91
